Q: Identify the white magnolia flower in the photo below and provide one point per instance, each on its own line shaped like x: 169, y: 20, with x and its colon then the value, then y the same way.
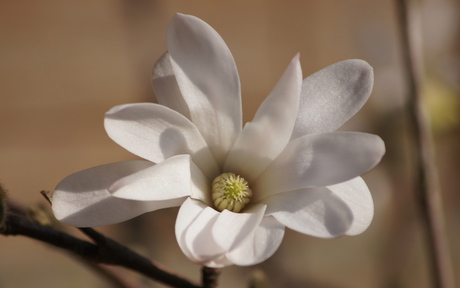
x: 237, y: 188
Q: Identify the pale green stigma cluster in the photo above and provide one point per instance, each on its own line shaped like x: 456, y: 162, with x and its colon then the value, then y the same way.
x: 231, y: 192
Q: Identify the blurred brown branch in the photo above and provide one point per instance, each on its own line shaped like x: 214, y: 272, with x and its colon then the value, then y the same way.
x: 106, y: 250
x: 427, y: 181
x: 210, y: 277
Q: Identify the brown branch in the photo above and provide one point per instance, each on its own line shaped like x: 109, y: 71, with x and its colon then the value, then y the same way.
x: 427, y: 181
x: 111, y: 277
x: 107, y: 251
x: 209, y: 277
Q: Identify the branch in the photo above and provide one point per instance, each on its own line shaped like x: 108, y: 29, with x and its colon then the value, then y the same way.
x: 427, y: 182
x: 106, y: 273
x: 209, y: 277
x: 107, y: 251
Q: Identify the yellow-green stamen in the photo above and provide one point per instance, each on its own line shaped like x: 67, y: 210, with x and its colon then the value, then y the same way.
x: 231, y: 192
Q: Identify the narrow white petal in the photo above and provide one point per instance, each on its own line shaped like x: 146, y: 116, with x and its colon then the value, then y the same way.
x: 359, y: 199
x: 188, y: 212
x: 333, y: 95
x: 263, y: 139
x: 82, y: 199
x: 193, y: 236
x: 313, y: 211
x: 208, y: 80
x: 198, y: 237
x: 169, y: 179
x: 230, y: 229
x: 155, y: 132
x: 317, y: 160
x: 165, y: 86
x: 261, y: 245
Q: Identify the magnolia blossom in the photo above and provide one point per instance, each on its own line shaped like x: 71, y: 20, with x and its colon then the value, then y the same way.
x: 237, y: 187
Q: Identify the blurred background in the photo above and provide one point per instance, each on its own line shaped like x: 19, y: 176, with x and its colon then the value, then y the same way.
x: 63, y: 64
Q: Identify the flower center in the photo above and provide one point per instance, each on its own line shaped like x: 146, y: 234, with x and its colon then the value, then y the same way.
x: 231, y: 192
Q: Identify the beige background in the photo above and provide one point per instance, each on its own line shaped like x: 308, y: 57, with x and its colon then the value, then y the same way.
x: 64, y: 63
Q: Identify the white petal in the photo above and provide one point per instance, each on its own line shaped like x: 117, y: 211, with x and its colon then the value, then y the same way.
x: 165, y: 85
x: 194, y: 234
x: 82, y: 199
x: 208, y: 80
x: 317, y: 160
x: 263, y: 139
x: 313, y: 211
x: 155, y: 132
x: 175, y: 177
x: 219, y: 262
x: 261, y: 245
x: 359, y: 199
x: 188, y: 212
x: 190, y: 216
x: 333, y: 95
x: 198, y: 237
x: 232, y: 228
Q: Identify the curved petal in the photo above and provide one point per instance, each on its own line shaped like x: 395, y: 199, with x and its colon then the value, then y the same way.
x: 193, y: 233
x: 359, y: 199
x: 260, y: 245
x: 263, y: 139
x: 198, y: 237
x: 82, y: 199
x: 176, y: 177
x: 313, y: 211
x: 208, y: 80
x: 155, y: 133
x: 188, y: 212
x: 219, y: 262
x: 317, y: 160
x: 230, y: 229
x: 165, y: 86
x: 333, y: 95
